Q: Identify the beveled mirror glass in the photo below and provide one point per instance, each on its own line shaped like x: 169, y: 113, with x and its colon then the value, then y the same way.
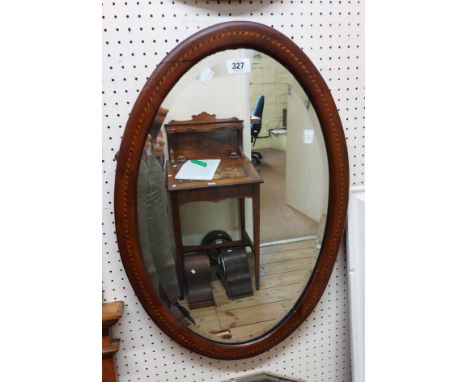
x: 243, y: 109
x: 231, y: 190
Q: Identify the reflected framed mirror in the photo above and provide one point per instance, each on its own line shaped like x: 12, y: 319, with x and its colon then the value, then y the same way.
x: 231, y: 190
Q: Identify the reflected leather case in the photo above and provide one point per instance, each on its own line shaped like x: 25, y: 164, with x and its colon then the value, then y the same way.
x: 198, y: 280
x: 233, y: 270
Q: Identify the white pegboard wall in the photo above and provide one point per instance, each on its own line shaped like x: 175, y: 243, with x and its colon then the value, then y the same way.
x: 136, y: 36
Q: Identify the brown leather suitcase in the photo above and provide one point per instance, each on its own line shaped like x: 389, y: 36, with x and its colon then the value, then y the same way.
x: 198, y: 280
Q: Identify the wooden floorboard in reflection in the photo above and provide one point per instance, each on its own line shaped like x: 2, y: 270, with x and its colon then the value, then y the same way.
x: 284, y: 270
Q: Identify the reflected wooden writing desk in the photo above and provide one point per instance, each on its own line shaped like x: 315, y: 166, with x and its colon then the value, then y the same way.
x: 233, y: 179
x: 207, y: 137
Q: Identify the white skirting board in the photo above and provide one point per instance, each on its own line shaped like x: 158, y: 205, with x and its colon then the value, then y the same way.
x: 356, y: 264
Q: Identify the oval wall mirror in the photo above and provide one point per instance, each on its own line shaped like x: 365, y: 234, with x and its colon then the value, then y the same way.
x: 231, y: 190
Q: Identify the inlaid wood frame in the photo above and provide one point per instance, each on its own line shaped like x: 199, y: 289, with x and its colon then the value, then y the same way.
x: 229, y: 35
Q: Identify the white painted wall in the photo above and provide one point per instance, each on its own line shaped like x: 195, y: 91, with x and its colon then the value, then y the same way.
x: 306, y: 164
x: 223, y: 95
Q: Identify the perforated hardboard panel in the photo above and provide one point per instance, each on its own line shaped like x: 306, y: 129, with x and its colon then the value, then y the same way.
x: 136, y: 36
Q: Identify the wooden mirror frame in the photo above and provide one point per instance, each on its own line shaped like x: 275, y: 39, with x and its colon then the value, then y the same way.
x: 230, y: 35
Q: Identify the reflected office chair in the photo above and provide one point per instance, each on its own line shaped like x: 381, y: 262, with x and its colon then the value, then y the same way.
x: 256, y: 128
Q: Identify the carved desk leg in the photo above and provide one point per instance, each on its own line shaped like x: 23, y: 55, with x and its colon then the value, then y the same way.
x: 111, y: 312
x: 108, y: 366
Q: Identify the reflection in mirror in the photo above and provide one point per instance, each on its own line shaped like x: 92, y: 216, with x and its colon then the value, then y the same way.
x: 232, y: 195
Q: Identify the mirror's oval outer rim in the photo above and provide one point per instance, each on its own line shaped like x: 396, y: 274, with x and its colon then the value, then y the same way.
x: 229, y: 35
